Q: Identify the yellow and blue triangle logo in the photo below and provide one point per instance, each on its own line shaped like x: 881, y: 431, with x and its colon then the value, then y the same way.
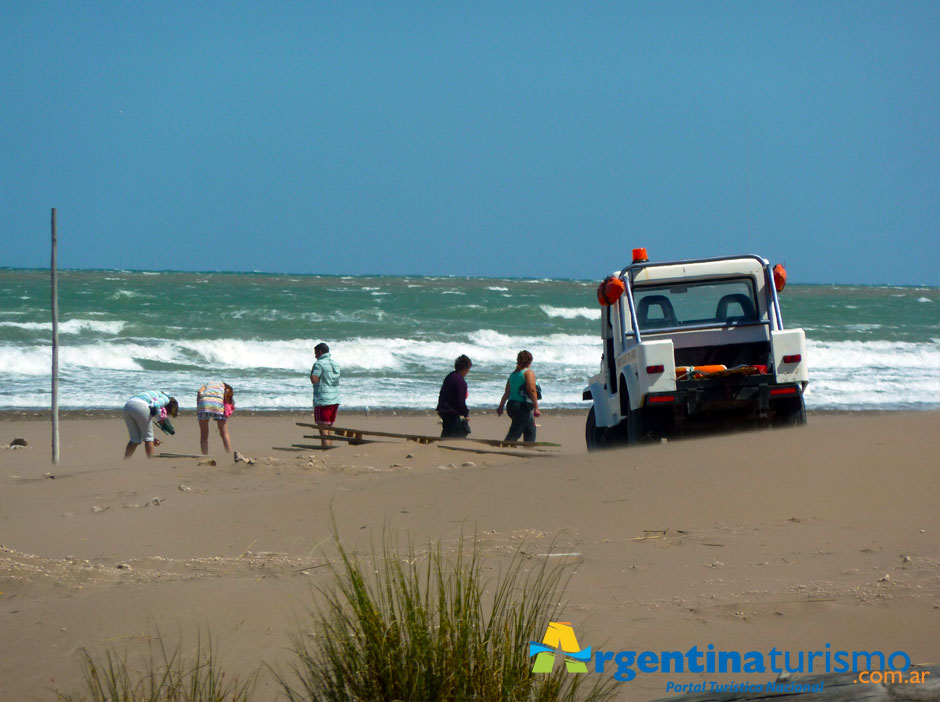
x: 559, y: 635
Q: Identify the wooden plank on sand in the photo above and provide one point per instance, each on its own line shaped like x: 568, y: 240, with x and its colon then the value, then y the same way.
x: 424, y: 439
x: 358, y: 433
x: 351, y: 439
x: 312, y: 447
x: 514, y: 454
x: 515, y: 444
x: 164, y: 454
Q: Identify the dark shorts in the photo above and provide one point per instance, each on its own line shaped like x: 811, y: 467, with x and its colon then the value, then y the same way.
x: 325, y: 414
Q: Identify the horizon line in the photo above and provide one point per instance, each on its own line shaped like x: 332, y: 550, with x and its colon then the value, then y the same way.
x: 404, y: 275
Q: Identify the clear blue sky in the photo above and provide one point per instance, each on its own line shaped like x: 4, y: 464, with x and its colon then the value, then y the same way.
x: 523, y: 139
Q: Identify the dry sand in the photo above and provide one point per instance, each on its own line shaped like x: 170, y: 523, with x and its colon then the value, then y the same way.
x: 793, y: 538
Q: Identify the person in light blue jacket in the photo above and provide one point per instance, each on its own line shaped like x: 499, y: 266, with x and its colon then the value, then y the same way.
x: 138, y: 413
x: 325, y: 378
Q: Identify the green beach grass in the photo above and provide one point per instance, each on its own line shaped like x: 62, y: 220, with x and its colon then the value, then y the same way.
x: 396, y: 625
x: 166, y: 676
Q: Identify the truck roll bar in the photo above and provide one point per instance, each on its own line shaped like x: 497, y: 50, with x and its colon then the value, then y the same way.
x: 634, y: 268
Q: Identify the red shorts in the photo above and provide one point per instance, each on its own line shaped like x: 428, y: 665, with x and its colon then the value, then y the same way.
x: 325, y: 414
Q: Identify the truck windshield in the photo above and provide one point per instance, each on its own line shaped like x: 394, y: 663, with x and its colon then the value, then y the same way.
x: 720, y: 303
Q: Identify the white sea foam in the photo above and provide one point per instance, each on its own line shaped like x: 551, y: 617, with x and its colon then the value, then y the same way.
x: 16, y: 361
x: 873, y: 355
x: 924, y: 299
x: 95, y: 356
x: 497, y: 288
x: 571, y: 312
x: 72, y: 326
x: 31, y: 326
x: 391, y: 372
x: 873, y: 374
x: 410, y: 355
x: 37, y: 360
x: 119, y: 294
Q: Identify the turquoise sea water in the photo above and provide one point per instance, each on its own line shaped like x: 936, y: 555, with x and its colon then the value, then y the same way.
x: 396, y: 338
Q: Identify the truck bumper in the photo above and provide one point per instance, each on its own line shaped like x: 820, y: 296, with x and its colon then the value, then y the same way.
x: 699, y: 396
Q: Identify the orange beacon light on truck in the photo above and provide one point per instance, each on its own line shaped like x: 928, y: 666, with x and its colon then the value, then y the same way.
x: 609, y: 291
x: 780, y: 277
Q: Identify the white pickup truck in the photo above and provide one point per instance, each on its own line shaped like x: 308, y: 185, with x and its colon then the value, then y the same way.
x: 691, y: 342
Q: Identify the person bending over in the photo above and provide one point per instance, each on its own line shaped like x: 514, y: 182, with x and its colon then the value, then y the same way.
x: 138, y: 413
x: 215, y: 401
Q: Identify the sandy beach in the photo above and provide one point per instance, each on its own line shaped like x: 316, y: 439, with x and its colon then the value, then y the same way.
x: 796, y: 538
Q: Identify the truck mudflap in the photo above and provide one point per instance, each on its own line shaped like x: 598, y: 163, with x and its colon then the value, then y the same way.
x: 694, y: 396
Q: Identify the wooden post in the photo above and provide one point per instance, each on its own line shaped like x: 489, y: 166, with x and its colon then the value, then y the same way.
x: 55, y: 346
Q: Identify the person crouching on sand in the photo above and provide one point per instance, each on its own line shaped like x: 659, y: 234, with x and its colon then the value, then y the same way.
x: 214, y: 401
x: 138, y: 413
x: 325, y: 378
x: 523, y: 400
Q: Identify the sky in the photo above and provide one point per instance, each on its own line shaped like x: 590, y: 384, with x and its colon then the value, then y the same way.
x: 520, y: 139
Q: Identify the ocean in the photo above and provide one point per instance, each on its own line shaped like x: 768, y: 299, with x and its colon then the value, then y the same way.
x: 869, y: 347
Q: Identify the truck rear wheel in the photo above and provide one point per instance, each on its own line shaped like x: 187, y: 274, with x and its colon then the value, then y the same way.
x: 630, y: 429
x: 790, y: 412
x: 594, y: 436
x: 627, y: 433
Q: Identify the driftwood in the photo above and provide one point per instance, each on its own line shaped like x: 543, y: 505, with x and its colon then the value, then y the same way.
x: 834, y: 687
x: 164, y: 454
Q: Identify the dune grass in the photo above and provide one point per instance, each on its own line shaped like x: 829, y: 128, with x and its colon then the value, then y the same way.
x: 167, y: 676
x: 391, y: 626
x: 431, y: 628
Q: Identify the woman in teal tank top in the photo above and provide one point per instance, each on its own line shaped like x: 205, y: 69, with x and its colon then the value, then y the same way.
x: 521, y: 400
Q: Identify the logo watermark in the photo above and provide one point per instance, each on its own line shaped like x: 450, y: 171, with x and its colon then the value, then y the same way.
x: 626, y: 665
x: 559, y: 635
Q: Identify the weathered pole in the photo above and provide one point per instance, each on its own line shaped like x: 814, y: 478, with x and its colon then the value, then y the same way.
x: 55, y: 346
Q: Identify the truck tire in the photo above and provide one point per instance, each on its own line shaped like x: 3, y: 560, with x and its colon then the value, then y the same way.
x: 790, y: 412
x: 594, y: 436
x: 630, y: 429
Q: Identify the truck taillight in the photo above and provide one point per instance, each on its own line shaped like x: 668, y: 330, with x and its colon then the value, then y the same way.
x: 652, y: 370
x: 793, y: 358
x: 783, y: 391
x: 654, y: 399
